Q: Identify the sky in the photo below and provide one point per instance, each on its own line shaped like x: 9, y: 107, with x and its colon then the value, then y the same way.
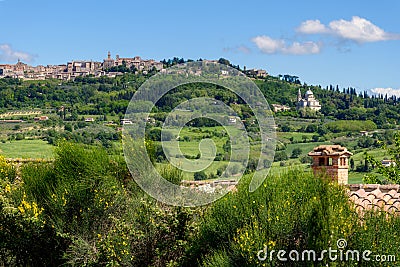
x: 346, y: 43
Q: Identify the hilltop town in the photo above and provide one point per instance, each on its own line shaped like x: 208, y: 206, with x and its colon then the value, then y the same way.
x: 78, y: 68
x: 110, y: 67
x: 63, y: 164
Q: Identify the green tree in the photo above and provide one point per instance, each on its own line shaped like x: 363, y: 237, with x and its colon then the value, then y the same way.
x: 19, y: 136
x: 286, y: 128
x: 68, y: 127
x: 392, y: 172
x: 280, y: 155
x: 224, y: 61
x: 199, y: 176
x: 296, y: 152
x: 311, y: 128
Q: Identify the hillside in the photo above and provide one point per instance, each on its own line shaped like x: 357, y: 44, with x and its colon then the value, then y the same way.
x: 71, y: 106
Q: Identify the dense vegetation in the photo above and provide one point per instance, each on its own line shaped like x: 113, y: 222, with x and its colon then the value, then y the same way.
x: 110, y: 96
x: 105, y: 99
x: 85, y: 209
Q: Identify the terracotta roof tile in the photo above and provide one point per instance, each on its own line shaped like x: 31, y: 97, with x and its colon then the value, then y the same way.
x: 380, y: 203
x: 375, y: 197
x: 387, y: 187
x: 354, y: 197
x: 329, y: 150
x: 387, y: 197
x: 396, y: 204
x: 391, y: 209
x: 370, y: 197
x: 369, y: 187
x: 354, y: 187
x: 359, y: 193
x: 392, y: 192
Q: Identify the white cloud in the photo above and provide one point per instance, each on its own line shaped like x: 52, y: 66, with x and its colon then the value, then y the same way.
x: 9, y: 55
x: 360, y: 30
x: 312, y: 27
x: 243, y: 49
x: 357, y: 29
x: 269, y: 45
x: 303, y: 48
x: 238, y: 49
x: 388, y: 91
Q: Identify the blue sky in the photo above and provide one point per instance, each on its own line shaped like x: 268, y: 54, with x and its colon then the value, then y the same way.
x: 350, y: 43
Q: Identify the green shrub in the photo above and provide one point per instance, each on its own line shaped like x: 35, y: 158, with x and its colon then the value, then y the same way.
x: 199, y: 176
x: 293, y: 211
x: 350, y: 126
x: 296, y: 152
x: 280, y: 156
x: 172, y: 174
x: 26, y: 237
x: 85, y: 210
x: 217, y: 259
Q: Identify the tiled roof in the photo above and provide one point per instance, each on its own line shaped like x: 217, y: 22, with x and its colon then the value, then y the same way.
x: 329, y: 150
x: 375, y: 197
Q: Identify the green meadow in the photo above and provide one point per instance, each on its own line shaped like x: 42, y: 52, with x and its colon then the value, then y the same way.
x: 27, y: 149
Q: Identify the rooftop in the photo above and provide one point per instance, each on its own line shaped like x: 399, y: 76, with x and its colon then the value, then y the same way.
x: 329, y: 150
x: 375, y: 197
x: 309, y: 92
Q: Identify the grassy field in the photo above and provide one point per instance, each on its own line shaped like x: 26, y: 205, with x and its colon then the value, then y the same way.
x: 40, y: 149
x: 377, y: 153
x: 212, y: 169
x: 298, y: 137
x: 276, y: 169
x: 355, y: 177
x: 295, y: 123
x: 305, y: 147
x: 191, y: 148
x: 26, y: 149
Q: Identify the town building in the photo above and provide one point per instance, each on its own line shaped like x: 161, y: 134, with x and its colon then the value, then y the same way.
x: 388, y: 162
x: 77, y: 68
x: 256, y: 73
x: 41, y: 118
x: 108, y: 62
x: 278, y: 107
x: 332, y: 161
x: 232, y: 119
x: 90, y: 119
x: 137, y: 62
x: 308, y: 101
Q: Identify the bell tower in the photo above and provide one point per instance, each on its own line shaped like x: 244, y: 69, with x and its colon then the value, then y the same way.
x: 332, y: 160
x: 299, y: 95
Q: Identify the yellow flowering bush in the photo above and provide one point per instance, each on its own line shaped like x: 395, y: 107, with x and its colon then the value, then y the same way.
x: 294, y: 211
x: 7, y: 171
x: 84, y: 209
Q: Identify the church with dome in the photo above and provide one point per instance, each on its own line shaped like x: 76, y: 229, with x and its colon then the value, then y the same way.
x: 308, y: 101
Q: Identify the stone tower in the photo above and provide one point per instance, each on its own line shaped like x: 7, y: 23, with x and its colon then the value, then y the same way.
x: 332, y: 160
x: 299, y: 96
